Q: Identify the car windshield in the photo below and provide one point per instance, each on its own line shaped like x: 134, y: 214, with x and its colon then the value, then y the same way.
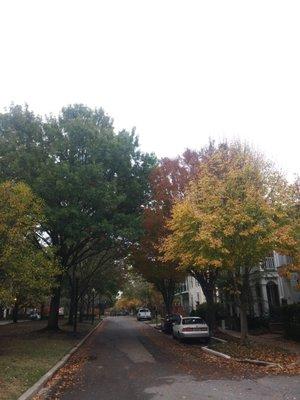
x: 192, y: 321
x: 144, y: 310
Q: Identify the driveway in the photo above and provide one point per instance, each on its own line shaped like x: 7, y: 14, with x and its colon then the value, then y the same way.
x: 129, y: 360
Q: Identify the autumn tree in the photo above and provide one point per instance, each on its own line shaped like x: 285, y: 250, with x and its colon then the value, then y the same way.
x: 136, y: 291
x: 92, y: 180
x: 236, y: 212
x: 27, y: 271
x: 168, y: 182
x: 293, y: 268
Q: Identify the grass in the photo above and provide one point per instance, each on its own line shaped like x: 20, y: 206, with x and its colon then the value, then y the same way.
x: 27, y: 353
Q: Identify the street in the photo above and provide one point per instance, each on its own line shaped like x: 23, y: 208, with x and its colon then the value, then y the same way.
x: 126, y: 359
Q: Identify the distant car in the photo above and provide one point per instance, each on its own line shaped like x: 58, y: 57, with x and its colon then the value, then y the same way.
x: 168, y: 321
x: 34, y: 316
x: 143, y: 314
x: 122, y: 313
x: 191, y: 328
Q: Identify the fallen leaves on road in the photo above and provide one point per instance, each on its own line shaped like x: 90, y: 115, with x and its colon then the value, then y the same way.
x: 287, y: 362
x: 192, y: 359
x: 66, y: 377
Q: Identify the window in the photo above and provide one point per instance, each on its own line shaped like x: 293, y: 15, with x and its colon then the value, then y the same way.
x: 192, y: 321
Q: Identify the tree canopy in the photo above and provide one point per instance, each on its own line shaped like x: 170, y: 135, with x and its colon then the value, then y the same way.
x: 26, y: 270
x: 236, y: 212
x: 92, y: 180
x: 168, y: 182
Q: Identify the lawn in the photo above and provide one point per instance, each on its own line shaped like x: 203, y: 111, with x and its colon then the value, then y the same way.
x: 27, y: 352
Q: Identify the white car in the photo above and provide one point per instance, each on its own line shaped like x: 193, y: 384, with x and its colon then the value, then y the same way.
x: 190, y: 327
x: 143, y: 313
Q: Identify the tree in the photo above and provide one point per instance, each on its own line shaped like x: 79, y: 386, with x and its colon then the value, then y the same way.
x: 168, y: 182
x: 131, y: 305
x: 236, y: 212
x: 136, y: 291
x: 95, y: 276
x: 91, y: 179
x: 26, y: 271
x: 294, y: 267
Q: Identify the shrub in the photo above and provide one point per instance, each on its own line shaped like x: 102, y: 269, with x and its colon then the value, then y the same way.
x: 255, y: 323
x: 202, y: 311
x: 290, y: 315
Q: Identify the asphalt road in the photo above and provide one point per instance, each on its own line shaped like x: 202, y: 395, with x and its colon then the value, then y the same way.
x: 121, y: 361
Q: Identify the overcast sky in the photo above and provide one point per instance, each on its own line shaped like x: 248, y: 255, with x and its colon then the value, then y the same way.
x: 180, y: 71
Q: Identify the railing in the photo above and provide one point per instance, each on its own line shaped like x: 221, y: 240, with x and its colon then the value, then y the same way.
x: 268, y: 264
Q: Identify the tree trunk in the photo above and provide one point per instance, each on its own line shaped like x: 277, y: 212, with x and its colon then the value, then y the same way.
x: 168, y: 300
x: 167, y: 290
x: 75, y: 306
x: 244, y: 324
x: 81, y: 311
x: 244, y: 308
x: 71, y: 314
x: 207, y: 283
x: 71, y: 307
x: 54, y: 309
x: 42, y: 310
x: 72, y: 296
x: 15, y: 312
x: 211, y: 310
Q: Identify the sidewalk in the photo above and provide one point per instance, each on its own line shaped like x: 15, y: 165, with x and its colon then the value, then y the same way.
x: 10, y: 322
x: 269, y: 339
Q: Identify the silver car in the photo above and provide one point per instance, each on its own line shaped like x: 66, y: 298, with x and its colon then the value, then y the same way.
x: 143, y: 314
x: 191, y: 328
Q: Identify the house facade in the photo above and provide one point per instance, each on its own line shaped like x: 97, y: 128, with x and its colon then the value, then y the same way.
x: 189, y: 295
x: 269, y: 289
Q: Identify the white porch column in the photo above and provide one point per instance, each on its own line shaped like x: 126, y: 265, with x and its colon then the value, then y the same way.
x: 265, y: 302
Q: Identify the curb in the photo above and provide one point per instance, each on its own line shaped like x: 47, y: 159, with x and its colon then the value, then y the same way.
x: 33, y: 390
x: 215, y: 353
x: 243, y: 360
x: 258, y: 362
x: 219, y: 340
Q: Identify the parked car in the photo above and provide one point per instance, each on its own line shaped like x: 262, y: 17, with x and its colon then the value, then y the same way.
x: 191, y: 328
x: 168, y: 321
x: 143, y: 314
x: 34, y: 316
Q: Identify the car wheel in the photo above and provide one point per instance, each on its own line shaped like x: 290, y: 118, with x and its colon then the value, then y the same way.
x: 180, y: 338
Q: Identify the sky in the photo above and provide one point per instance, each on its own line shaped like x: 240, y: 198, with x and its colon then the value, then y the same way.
x: 181, y: 72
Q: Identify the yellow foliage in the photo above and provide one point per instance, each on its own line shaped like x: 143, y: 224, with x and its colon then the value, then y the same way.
x: 27, y: 270
x: 128, y: 304
x: 236, y: 212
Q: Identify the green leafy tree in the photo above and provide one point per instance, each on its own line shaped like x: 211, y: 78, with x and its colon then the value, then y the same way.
x: 91, y: 179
